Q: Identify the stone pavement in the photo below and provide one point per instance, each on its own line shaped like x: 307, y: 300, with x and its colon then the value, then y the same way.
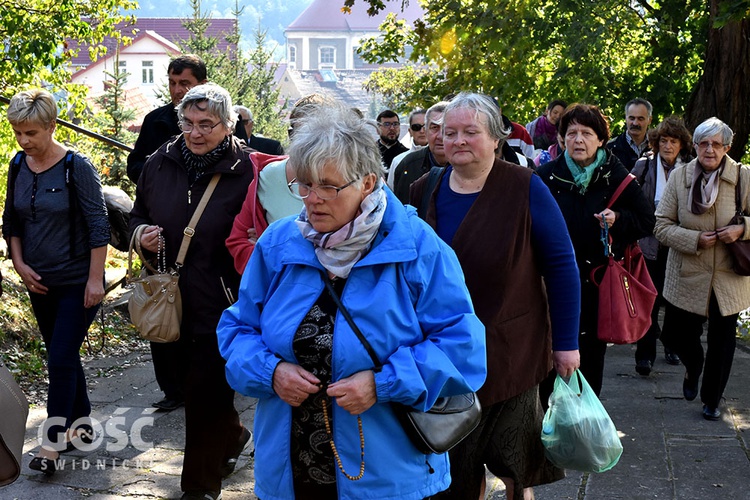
x: 670, y: 451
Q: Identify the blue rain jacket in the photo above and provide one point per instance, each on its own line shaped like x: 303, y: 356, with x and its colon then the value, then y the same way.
x: 408, y: 297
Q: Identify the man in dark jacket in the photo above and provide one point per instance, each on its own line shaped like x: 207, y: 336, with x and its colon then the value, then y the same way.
x: 262, y: 144
x: 389, y: 130
x: 185, y: 72
x: 418, y: 163
x: 633, y: 143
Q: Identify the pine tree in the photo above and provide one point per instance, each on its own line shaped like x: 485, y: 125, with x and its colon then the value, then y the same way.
x: 250, y: 81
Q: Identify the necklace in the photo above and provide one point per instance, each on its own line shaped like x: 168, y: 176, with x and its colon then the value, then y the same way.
x: 335, y: 451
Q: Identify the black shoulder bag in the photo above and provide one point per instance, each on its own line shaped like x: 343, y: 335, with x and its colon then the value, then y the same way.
x: 440, y: 428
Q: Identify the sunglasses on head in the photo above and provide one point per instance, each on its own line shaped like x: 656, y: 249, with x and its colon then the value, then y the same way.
x: 416, y: 127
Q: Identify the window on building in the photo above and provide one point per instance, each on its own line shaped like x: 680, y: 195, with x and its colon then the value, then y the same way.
x: 292, y: 54
x: 148, y: 71
x: 327, y: 57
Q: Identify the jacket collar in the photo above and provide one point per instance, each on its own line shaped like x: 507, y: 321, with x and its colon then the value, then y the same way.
x: 228, y: 164
x: 729, y: 174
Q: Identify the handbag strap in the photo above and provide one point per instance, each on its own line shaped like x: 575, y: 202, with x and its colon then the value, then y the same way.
x: 352, y: 324
x: 189, y: 231
x: 627, y: 180
x: 738, y: 192
x: 135, y: 244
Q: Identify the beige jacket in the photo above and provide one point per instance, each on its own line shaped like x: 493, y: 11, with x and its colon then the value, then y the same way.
x: 693, y: 273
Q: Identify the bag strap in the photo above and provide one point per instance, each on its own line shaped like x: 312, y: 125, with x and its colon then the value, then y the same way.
x: 627, y: 180
x: 189, y: 231
x: 738, y: 192
x: 432, y: 180
x: 352, y: 324
x: 135, y: 244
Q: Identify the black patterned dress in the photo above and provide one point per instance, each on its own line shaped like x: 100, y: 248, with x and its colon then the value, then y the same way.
x: 313, y: 464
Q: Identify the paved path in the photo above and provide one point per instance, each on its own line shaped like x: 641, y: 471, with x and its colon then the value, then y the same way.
x: 670, y: 451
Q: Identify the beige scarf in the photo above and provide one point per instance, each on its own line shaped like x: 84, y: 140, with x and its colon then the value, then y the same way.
x: 705, y: 188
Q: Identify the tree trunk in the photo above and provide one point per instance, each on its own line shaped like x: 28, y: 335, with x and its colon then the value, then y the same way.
x: 723, y: 90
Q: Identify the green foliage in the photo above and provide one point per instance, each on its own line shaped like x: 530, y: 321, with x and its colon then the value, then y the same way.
x: 34, y: 34
x: 248, y: 79
x: 527, y: 53
x: 36, y: 53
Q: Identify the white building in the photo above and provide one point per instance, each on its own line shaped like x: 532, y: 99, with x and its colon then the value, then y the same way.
x: 146, y: 61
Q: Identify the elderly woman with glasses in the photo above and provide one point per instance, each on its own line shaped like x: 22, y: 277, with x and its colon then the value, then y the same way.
x: 169, y: 190
x: 693, y: 220
x: 324, y: 424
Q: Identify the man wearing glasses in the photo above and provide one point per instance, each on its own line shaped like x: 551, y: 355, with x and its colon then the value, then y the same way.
x: 418, y: 134
x: 389, y: 129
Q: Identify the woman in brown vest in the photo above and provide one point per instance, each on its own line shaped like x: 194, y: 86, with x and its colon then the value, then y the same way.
x: 505, y: 228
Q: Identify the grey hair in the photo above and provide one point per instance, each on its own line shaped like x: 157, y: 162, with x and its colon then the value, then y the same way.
x: 418, y: 111
x: 711, y: 127
x: 435, y: 108
x: 240, y: 109
x: 32, y: 106
x: 641, y: 101
x: 333, y: 135
x: 481, y: 104
x: 217, y: 99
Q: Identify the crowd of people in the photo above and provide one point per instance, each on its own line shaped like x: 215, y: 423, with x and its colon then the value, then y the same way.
x: 465, y: 260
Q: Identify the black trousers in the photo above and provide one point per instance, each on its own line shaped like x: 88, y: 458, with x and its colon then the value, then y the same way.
x: 170, y: 368
x: 646, y: 347
x: 682, y: 333
x: 212, y: 425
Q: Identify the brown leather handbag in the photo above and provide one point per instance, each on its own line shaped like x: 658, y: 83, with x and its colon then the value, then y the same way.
x: 155, y: 305
x: 626, y: 292
x: 740, y: 249
x: 14, y: 409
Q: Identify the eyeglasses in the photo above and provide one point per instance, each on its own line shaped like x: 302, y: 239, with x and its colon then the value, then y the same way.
x: 714, y: 145
x: 302, y: 191
x: 416, y: 127
x: 389, y: 124
x: 203, y: 128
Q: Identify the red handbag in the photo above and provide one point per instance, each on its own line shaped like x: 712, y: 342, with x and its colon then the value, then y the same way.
x: 626, y: 292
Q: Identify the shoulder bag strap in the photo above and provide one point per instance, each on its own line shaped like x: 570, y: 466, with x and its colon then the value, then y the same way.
x: 738, y: 192
x: 189, y: 231
x: 429, y: 187
x: 351, y: 322
x: 627, y: 180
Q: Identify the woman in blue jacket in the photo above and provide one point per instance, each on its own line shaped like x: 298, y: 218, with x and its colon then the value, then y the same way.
x: 286, y: 343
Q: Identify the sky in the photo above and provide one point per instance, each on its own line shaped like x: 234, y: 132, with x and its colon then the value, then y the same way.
x: 273, y: 15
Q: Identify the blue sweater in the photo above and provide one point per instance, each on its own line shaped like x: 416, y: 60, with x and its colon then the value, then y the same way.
x: 550, y: 239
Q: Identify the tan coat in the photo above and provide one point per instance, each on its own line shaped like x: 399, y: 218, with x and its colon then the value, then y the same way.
x: 693, y: 273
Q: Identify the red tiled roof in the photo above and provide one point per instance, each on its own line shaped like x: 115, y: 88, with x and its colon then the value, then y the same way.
x: 170, y: 28
x: 326, y: 15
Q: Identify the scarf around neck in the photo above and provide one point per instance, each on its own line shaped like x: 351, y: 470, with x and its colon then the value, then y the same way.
x: 196, y: 165
x: 582, y: 175
x: 705, y: 188
x: 339, y: 250
x: 546, y: 128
